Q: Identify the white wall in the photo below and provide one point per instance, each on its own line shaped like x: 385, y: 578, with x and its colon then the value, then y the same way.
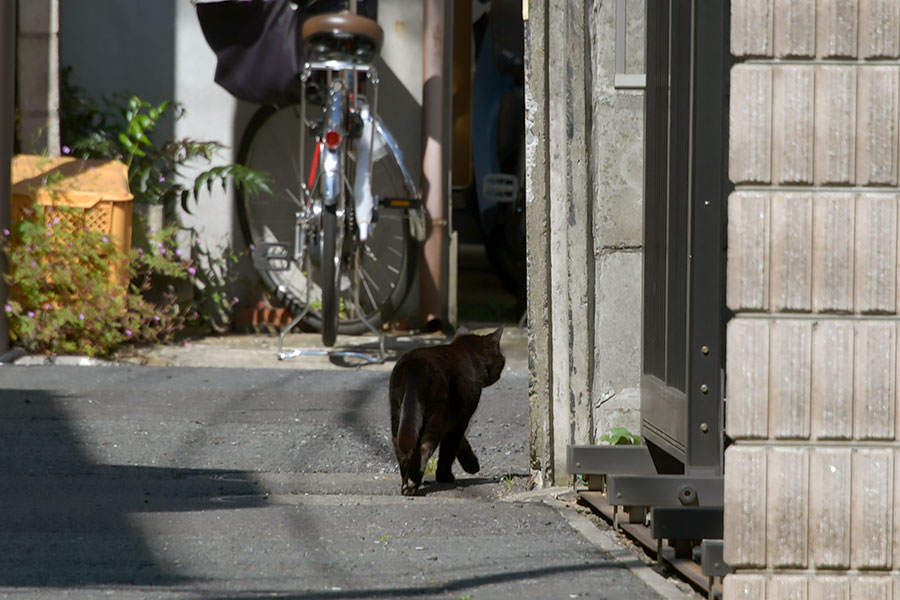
x: 157, y: 51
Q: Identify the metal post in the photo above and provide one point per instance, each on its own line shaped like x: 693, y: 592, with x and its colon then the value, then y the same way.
x: 7, y: 125
x: 431, y: 274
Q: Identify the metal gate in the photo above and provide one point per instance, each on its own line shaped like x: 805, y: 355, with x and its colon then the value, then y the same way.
x: 677, y: 473
x: 685, y: 179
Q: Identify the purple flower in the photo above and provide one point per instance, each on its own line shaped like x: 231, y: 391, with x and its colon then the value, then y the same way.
x: 235, y: 300
x: 8, y: 308
x: 128, y: 333
x: 81, y: 316
x: 178, y: 253
x: 66, y: 150
x: 30, y: 314
x: 140, y: 251
x: 105, y: 239
x: 6, y: 232
x: 156, y: 318
x: 192, y: 270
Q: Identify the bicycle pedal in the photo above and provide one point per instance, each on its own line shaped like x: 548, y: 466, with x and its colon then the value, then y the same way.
x: 272, y: 256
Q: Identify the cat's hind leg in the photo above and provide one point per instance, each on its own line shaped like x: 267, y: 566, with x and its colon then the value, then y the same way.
x: 415, y: 468
x: 466, y: 457
x: 409, y: 480
x: 449, y: 448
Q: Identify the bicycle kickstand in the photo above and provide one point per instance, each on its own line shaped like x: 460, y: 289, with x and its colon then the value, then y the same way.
x: 287, y: 328
x: 282, y: 355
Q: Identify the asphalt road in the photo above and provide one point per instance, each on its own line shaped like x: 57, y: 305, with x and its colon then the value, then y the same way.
x: 173, y: 482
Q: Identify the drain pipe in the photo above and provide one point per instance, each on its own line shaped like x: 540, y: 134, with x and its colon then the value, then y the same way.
x: 7, y: 121
x: 431, y: 276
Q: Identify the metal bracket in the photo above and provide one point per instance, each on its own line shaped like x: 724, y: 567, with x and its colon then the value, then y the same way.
x: 664, y: 490
x: 712, y: 559
x: 623, y: 80
x: 686, y: 522
x: 609, y: 460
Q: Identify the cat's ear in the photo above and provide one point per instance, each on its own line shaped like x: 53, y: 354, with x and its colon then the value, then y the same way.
x: 495, y: 337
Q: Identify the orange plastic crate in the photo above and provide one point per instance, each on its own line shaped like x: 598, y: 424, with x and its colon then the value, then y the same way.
x: 98, y: 188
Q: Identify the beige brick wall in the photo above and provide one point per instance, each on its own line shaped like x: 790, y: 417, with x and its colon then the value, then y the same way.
x: 812, y: 481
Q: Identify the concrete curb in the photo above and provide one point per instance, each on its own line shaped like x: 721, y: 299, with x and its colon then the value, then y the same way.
x: 606, y: 542
x: 603, y: 539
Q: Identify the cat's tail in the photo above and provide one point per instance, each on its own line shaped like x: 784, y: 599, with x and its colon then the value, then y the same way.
x: 410, y: 420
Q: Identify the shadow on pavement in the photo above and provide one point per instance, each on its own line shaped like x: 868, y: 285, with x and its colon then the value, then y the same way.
x: 469, y: 584
x: 64, y: 519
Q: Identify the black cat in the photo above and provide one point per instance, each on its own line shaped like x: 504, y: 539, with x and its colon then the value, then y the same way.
x: 434, y: 393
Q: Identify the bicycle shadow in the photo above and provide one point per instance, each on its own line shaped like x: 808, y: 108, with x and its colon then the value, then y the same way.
x: 394, y: 348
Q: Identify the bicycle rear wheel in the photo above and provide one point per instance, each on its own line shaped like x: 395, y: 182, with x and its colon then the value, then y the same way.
x: 387, y: 259
x: 330, y: 282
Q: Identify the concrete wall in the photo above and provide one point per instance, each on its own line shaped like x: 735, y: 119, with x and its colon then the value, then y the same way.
x: 812, y: 487
x: 584, y: 228
x: 37, y: 76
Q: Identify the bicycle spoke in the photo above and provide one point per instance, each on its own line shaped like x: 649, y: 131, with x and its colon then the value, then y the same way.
x: 368, y: 291
x: 370, y: 280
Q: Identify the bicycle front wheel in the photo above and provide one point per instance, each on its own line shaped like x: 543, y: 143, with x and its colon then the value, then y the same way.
x: 271, y: 144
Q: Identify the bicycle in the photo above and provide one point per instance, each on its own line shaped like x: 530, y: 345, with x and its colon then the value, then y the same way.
x: 336, y: 242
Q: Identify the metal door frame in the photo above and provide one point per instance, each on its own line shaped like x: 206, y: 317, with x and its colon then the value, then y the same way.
x: 681, y: 389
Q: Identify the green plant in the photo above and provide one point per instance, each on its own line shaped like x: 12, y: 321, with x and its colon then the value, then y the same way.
x: 620, y: 436
x: 431, y: 466
x: 213, y: 277
x: 70, y: 294
x: 122, y: 129
x: 127, y: 129
x: 509, y: 481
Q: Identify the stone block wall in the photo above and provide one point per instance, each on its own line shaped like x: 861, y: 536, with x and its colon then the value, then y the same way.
x: 812, y: 480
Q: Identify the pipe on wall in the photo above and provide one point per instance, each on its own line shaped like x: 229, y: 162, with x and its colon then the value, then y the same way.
x: 431, y: 276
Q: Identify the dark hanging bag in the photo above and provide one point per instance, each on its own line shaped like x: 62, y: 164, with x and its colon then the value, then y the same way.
x: 258, y: 50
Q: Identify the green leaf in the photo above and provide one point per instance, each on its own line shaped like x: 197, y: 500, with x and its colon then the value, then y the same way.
x: 185, y: 196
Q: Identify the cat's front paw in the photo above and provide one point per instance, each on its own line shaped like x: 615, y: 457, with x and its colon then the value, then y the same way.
x: 408, y: 489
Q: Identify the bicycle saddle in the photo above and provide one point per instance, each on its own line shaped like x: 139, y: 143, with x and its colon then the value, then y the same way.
x: 342, y: 36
